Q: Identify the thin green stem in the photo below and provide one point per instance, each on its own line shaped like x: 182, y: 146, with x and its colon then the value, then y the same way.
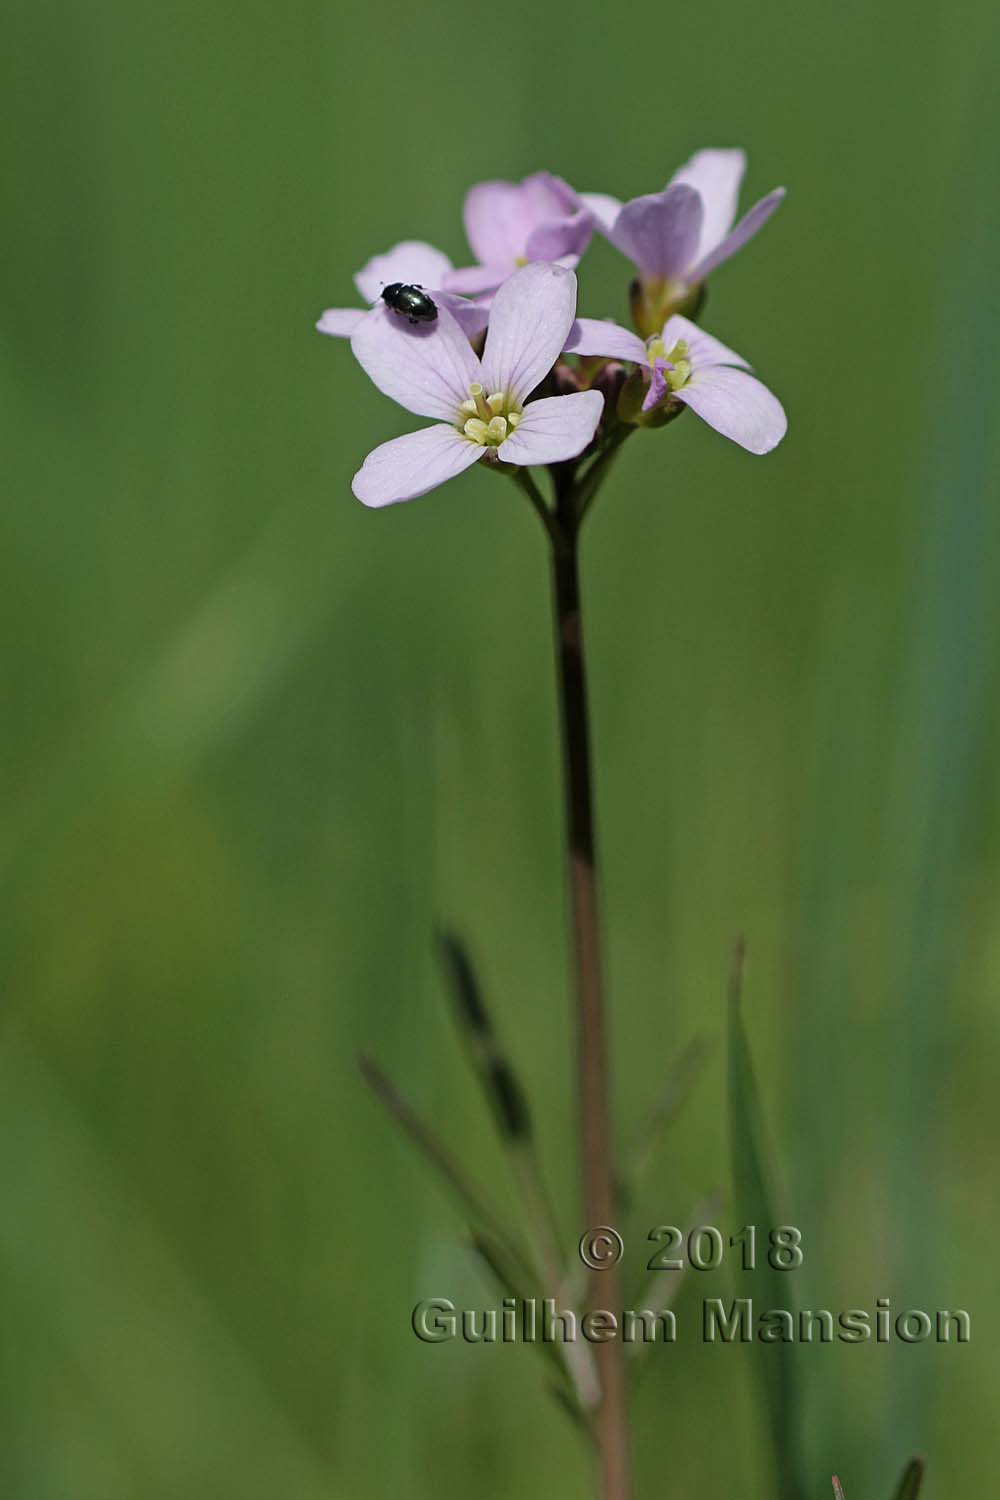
x: 524, y: 478
x: 590, y: 482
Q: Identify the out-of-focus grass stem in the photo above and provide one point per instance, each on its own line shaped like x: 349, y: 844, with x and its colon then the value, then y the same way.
x: 508, y: 1102
x: 475, y: 1206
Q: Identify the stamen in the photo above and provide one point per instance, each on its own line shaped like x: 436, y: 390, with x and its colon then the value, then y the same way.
x: 486, y: 420
x: 673, y: 362
x: 476, y: 392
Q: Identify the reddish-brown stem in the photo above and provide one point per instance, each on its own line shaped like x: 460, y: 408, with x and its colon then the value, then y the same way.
x: 610, y: 1418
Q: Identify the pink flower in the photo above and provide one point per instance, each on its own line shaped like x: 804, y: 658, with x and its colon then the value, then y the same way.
x: 413, y: 262
x: 675, y: 238
x: 510, y: 224
x: 688, y: 365
x: 478, y: 404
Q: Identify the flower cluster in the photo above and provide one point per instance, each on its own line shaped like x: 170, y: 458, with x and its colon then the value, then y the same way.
x: 495, y: 356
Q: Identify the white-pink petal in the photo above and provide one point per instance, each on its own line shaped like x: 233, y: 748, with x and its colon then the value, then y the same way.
x: 703, y: 349
x: 604, y: 208
x: 340, y: 322
x: 410, y: 466
x: 717, y: 176
x: 549, y: 198
x: 561, y: 239
x: 553, y: 429
x: 471, y: 280
x: 598, y: 336
x: 529, y: 320
x: 737, y: 405
x: 660, y: 232
x: 498, y: 220
x: 427, y: 368
x: 753, y: 220
x: 471, y: 317
x: 411, y: 261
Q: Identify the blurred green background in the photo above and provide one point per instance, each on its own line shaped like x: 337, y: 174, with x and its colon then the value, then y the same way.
x: 257, y: 740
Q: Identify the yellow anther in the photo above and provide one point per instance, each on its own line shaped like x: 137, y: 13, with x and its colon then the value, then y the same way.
x: 488, y: 420
x: 479, y: 397
x: 678, y: 368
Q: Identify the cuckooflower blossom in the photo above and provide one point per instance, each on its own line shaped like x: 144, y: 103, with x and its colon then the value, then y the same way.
x: 509, y: 224
x: 413, y: 262
x: 688, y: 365
x: 480, y: 406
x: 675, y: 238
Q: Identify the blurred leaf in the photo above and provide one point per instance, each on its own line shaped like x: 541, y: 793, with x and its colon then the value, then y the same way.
x: 665, y: 1108
x: 910, y: 1483
x: 480, y: 1213
x: 664, y: 1287
x: 500, y: 1083
x: 569, y: 1406
x: 508, y: 1103
x: 577, y: 1387
x: 754, y: 1204
x: 661, y: 1288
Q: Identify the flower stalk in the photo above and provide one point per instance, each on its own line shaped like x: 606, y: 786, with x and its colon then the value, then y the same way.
x: 574, y: 494
x: 610, y: 1418
x: 484, y: 398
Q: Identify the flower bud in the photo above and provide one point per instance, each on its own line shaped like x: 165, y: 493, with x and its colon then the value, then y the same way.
x: 630, y: 399
x: 565, y: 380
x: 660, y: 415
x: 609, y: 381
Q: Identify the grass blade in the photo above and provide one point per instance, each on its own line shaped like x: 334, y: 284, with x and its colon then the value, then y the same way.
x: 912, y: 1480
x: 500, y: 1084
x: 577, y: 1384
x: 665, y: 1109
x: 753, y: 1199
x: 662, y: 1289
x: 508, y: 1102
x: 480, y: 1213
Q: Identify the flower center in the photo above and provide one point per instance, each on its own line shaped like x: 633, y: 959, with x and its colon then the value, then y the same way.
x: 488, y: 420
x: 676, y: 365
